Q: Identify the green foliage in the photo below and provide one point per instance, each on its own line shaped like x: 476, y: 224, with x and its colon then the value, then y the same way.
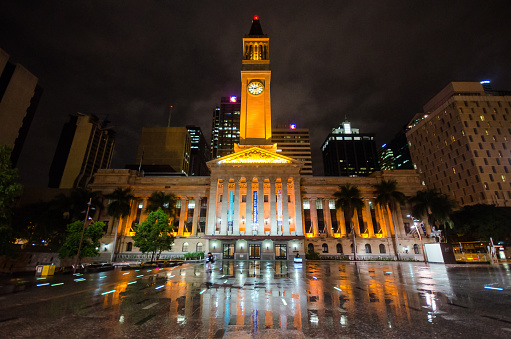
x: 90, y: 241
x: 167, y: 202
x: 10, y: 189
x: 47, y: 221
x: 194, y: 255
x: 312, y: 256
x: 154, y: 234
x: 436, y: 206
x: 387, y: 194
x: 120, y: 202
x: 480, y: 222
x: 348, y: 198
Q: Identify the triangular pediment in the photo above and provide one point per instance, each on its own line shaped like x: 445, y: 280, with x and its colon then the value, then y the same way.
x: 255, y: 155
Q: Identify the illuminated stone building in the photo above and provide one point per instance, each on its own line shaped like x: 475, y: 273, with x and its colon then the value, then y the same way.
x: 461, y: 143
x: 85, y: 145
x: 295, y: 143
x: 256, y: 204
x: 19, y: 97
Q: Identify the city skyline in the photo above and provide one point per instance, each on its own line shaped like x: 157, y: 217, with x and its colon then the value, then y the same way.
x: 329, y: 61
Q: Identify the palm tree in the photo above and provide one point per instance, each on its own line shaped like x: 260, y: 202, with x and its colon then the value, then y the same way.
x: 437, y: 206
x: 167, y: 202
x: 119, y: 207
x: 388, y: 196
x: 348, y: 199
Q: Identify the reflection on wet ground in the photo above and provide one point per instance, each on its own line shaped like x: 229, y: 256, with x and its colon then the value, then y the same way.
x: 268, y: 299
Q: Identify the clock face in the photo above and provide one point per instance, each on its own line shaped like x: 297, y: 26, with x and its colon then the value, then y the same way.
x: 255, y: 87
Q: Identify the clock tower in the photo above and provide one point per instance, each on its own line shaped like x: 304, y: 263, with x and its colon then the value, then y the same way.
x: 255, y: 119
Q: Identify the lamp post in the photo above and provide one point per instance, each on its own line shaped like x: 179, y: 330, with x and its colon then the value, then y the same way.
x: 81, y: 237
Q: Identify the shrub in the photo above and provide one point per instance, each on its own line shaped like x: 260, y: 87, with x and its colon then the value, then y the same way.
x: 312, y: 256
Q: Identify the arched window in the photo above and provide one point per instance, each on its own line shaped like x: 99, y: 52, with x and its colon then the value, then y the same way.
x: 416, y: 248
x: 198, y: 248
x: 352, y: 250
x: 185, y: 247
x: 382, y: 248
x: 368, y: 248
x: 325, y: 248
x: 339, y: 248
x: 310, y: 248
x: 129, y: 247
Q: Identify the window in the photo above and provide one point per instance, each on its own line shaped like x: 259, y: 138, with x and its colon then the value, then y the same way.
x: 339, y: 248
x: 325, y: 248
x: 243, y: 198
x: 198, y: 247
x: 310, y: 248
x: 129, y: 247
x: 185, y: 247
x: 382, y: 248
x: 368, y: 248
x: 416, y: 249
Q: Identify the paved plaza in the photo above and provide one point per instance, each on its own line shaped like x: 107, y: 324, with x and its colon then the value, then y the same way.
x: 258, y: 299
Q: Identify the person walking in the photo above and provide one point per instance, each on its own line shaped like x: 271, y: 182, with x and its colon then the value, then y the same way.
x: 210, y: 259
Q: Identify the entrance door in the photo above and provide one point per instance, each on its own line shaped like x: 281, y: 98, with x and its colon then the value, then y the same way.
x: 280, y: 251
x: 228, y: 251
x: 254, y: 251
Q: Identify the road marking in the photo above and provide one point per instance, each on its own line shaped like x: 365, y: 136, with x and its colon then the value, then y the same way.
x: 149, y: 306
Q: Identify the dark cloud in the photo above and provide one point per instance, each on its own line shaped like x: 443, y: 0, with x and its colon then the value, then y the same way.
x: 376, y: 62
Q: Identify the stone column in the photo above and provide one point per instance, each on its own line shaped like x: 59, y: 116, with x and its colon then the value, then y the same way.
x: 342, y: 222
x: 260, y: 205
x: 400, y: 227
x: 285, y: 209
x: 314, y: 216
x: 273, y: 207
x: 196, y: 212
x: 298, y: 206
x: 212, y: 201
x: 370, y: 226
x: 236, y: 207
x: 248, y: 217
x: 182, y: 215
x: 225, y: 203
x: 328, y: 217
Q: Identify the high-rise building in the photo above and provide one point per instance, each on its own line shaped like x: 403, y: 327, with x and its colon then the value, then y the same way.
x: 19, y: 97
x: 461, y: 143
x: 348, y: 153
x: 294, y: 142
x: 86, y: 144
x: 225, y: 130
x: 395, y: 154
x: 200, y: 152
x: 165, y: 147
x: 386, y: 158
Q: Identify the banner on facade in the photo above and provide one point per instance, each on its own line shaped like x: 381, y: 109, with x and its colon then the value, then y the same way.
x: 279, y: 210
x: 254, y: 209
x: 231, y: 206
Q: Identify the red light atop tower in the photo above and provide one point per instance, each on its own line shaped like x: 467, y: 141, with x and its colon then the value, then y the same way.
x: 256, y: 17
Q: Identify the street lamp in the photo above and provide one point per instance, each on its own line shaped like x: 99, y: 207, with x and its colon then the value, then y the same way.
x: 77, y: 261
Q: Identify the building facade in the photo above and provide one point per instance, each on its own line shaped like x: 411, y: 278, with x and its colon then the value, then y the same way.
x: 348, y: 153
x: 294, y: 142
x: 19, y: 97
x: 199, y: 152
x: 225, y: 129
x: 165, y: 147
x: 85, y: 145
x: 461, y: 144
x: 256, y: 204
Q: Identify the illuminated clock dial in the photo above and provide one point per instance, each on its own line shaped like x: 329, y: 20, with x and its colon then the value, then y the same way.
x: 255, y: 87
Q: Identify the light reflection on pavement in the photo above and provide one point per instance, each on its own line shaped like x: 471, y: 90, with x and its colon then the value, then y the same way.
x: 242, y: 299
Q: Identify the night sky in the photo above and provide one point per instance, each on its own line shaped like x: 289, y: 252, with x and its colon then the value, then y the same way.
x: 376, y: 62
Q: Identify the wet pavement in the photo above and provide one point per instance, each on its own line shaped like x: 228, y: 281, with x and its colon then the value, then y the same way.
x: 275, y: 299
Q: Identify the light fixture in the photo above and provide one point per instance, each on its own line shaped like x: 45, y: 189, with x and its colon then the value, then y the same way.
x: 214, y: 246
x: 267, y: 246
x: 294, y: 246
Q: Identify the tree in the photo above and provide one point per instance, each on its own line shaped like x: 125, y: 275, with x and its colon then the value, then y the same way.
x: 90, y: 241
x: 436, y: 206
x: 154, y: 235
x: 388, y: 196
x: 348, y: 199
x: 119, y: 207
x: 167, y: 202
x: 480, y: 222
x: 10, y: 189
